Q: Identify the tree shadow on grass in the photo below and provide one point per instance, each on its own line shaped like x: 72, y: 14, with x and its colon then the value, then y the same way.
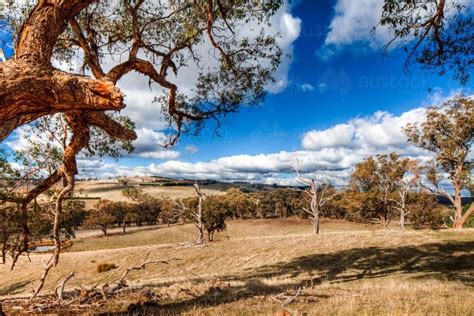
x: 14, y: 288
x: 451, y: 261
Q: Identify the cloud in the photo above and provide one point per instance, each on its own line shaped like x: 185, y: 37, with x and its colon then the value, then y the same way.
x: 289, y: 28
x: 381, y: 130
x: 328, y: 154
x: 356, y: 24
x: 307, y: 87
x: 150, y: 144
x: 191, y: 149
x: 353, y: 23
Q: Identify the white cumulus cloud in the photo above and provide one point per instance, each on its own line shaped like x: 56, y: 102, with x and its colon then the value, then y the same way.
x: 328, y: 154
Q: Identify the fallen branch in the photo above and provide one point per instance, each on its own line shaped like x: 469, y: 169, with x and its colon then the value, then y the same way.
x: 61, y: 286
x: 289, y: 299
x: 120, y: 283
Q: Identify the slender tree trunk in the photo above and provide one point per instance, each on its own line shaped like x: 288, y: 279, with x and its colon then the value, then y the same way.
x: 200, y: 238
x: 316, y: 224
x: 104, y: 231
x: 458, y: 218
x: 403, y: 197
x: 402, y: 219
x: 199, y: 223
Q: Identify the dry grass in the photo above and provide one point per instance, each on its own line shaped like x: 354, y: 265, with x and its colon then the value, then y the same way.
x: 163, y: 235
x: 346, y: 270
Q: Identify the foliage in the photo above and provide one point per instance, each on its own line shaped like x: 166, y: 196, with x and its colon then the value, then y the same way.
x: 435, y: 34
x: 470, y: 221
x: 170, y: 212
x: 215, y: 211
x: 101, y: 216
x: 375, y: 180
x: 241, y: 205
x: 425, y: 211
x: 279, y: 202
x: 448, y: 133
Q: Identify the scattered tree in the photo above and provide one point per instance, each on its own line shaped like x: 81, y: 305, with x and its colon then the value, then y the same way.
x: 215, y: 212
x: 101, y: 216
x: 193, y: 211
x: 319, y: 195
x: 404, y: 186
x: 448, y: 132
x: 425, y: 211
x: 376, y: 179
x: 170, y: 211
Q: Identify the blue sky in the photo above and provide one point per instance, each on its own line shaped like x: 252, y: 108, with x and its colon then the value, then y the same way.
x: 340, y: 101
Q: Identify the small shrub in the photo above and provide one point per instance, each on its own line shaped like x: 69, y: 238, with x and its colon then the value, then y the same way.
x: 104, y: 267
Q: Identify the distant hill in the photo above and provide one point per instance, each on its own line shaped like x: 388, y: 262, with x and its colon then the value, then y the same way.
x: 156, y: 181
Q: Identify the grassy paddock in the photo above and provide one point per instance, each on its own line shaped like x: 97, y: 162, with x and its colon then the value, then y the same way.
x: 348, y: 269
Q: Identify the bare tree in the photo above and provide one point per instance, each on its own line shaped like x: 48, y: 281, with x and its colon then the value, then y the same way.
x: 404, y: 186
x: 319, y: 195
x: 195, y: 213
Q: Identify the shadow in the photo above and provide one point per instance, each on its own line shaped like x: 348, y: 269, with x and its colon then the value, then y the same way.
x: 14, y: 288
x: 450, y: 261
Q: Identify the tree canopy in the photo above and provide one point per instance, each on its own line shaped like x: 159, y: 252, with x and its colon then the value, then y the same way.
x: 438, y: 35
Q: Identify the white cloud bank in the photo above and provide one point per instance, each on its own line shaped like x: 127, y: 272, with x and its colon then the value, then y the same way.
x: 330, y: 153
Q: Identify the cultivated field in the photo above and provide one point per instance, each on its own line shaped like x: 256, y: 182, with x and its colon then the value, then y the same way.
x: 254, y: 266
x: 113, y: 190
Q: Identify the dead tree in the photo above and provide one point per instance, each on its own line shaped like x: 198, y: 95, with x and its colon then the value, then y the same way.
x: 405, y: 186
x: 196, y: 214
x: 319, y: 195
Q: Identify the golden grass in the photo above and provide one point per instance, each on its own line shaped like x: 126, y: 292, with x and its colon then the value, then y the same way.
x: 159, y: 235
x: 355, y: 271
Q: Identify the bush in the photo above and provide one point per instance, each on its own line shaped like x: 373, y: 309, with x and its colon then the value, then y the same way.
x: 104, y: 267
x: 425, y: 212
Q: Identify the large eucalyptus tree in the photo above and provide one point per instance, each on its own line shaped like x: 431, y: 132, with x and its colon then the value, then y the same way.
x: 113, y: 38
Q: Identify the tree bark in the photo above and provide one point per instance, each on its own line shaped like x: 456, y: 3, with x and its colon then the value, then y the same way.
x: 458, y: 217
x: 29, y: 91
x: 199, y: 223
